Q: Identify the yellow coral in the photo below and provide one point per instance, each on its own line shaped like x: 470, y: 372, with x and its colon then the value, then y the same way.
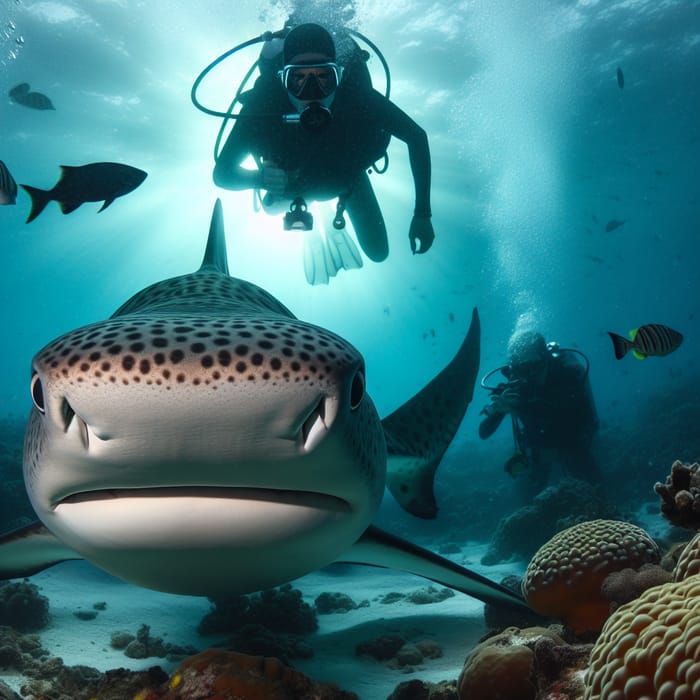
x: 650, y: 647
x: 175, y: 681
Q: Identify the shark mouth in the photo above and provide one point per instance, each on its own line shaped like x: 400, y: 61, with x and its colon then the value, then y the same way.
x: 307, y: 499
x: 184, y: 517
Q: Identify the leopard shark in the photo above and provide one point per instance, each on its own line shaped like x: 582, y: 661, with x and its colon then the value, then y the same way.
x: 204, y: 440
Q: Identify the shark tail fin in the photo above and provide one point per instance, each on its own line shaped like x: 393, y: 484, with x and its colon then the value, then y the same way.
x: 40, y: 198
x: 215, y: 253
x: 419, y: 432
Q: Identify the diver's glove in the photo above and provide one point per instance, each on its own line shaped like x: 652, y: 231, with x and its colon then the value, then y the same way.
x: 421, y: 230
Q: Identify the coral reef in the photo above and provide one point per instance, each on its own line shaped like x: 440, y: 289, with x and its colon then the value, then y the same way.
x: 620, y: 587
x: 329, y: 603
x: 142, y: 645
x: 688, y: 563
x: 680, y: 495
x: 559, y: 506
x: 565, y: 576
x: 279, y: 609
x: 216, y: 674
x: 649, y: 648
x: 23, y: 607
x: 398, y: 652
x: 422, y: 690
x: 501, y: 667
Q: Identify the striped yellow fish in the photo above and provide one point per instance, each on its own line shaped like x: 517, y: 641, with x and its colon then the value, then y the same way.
x: 651, y: 339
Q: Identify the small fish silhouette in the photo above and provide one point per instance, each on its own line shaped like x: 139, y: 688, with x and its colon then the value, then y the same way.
x: 86, y: 183
x: 34, y: 100
x: 613, y: 224
x: 620, y: 78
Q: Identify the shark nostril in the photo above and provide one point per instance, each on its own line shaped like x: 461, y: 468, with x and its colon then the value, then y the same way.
x: 357, y: 390
x: 314, y: 425
x: 37, y: 391
x: 67, y: 414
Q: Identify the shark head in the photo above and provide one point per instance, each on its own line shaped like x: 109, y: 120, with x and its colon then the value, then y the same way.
x: 203, y: 439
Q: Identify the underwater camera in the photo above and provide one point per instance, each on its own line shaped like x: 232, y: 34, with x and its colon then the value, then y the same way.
x: 298, y: 218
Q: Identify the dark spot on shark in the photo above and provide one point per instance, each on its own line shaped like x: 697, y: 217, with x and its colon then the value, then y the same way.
x: 137, y: 347
x: 144, y: 366
x: 224, y: 358
x: 198, y: 347
x: 128, y: 362
x: 177, y: 356
x: 207, y: 361
x: 241, y: 350
x: 241, y: 366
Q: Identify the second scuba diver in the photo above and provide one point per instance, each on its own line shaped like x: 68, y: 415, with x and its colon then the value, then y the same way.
x: 548, y: 395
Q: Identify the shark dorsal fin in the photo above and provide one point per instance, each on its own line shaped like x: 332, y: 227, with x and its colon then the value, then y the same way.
x: 215, y: 253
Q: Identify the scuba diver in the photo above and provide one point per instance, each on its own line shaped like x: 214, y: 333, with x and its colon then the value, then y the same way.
x: 315, y: 126
x: 548, y: 395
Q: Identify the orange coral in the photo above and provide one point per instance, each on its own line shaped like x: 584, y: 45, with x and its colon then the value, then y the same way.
x: 500, y: 668
x: 650, y: 647
x: 220, y: 675
x: 565, y: 575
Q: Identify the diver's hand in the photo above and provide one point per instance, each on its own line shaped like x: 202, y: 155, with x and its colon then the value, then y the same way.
x: 274, y: 179
x: 505, y: 402
x: 421, y: 230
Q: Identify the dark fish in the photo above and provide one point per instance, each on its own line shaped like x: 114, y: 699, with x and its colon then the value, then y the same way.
x: 34, y: 100
x: 8, y: 186
x: 613, y: 224
x: 86, y: 183
x: 651, y: 339
x: 620, y: 78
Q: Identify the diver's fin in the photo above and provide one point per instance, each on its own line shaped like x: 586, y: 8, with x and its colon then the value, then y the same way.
x: 40, y: 198
x: 29, y: 549
x: 419, y: 432
x: 319, y: 266
x: 379, y: 548
x: 343, y: 250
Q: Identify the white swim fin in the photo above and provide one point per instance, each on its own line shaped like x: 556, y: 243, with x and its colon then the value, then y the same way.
x: 343, y: 250
x: 319, y: 265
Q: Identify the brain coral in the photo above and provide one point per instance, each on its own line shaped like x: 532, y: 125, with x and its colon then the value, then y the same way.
x: 564, y: 577
x: 688, y: 563
x: 650, y: 647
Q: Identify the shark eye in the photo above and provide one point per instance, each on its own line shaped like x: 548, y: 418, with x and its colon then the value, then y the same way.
x: 37, y: 391
x: 357, y: 390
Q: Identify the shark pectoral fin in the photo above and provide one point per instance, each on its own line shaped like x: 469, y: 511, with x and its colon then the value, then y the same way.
x: 380, y: 548
x: 30, y: 549
x: 410, y: 481
x: 419, y: 432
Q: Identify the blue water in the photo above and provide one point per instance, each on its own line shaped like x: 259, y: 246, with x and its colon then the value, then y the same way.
x: 534, y: 148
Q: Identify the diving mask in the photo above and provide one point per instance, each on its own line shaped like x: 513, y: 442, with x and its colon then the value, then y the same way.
x: 310, y: 82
